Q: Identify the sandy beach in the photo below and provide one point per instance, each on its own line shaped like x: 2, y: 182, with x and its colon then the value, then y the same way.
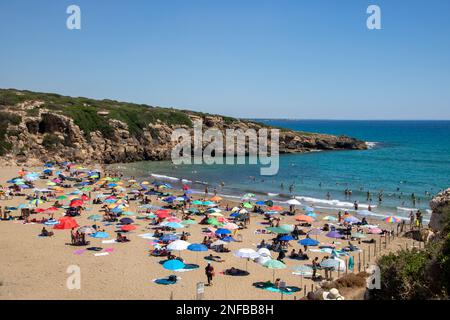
x: 34, y: 267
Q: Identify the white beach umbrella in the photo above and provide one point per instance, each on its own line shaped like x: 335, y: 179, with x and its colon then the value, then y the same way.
x: 262, y: 260
x: 264, y: 252
x: 246, y: 253
x: 293, y: 202
x: 178, y: 245
x: 218, y: 243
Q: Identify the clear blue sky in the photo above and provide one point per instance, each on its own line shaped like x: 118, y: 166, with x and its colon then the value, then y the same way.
x: 245, y: 58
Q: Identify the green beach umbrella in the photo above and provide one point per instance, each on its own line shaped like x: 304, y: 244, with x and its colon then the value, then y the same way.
x: 247, y: 205
x: 188, y: 222
x: 61, y: 197
x: 213, y: 222
x: 197, y: 202
x: 95, y: 217
x: 274, y: 264
x: 277, y: 230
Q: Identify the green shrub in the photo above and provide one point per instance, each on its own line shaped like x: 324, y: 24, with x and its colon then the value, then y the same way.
x: 88, y: 120
x: 51, y: 142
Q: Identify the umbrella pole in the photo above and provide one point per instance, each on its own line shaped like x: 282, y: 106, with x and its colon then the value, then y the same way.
x: 273, y: 276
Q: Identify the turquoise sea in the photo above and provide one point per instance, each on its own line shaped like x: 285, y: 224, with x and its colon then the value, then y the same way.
x: 405, y: 157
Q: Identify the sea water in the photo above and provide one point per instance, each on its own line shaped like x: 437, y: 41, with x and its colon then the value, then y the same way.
x: 404, y: 158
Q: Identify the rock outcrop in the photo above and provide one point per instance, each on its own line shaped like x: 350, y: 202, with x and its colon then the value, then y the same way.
x: 440, y: 206
x: 51, y: 135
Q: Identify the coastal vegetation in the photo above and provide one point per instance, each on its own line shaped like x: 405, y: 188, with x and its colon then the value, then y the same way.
x: 412, y: 274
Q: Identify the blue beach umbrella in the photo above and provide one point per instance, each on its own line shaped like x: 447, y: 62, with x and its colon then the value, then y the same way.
x: 173, y: 265
x: 308, y: 242
x: 197, y: 247
x: 228, y: 239
x: 223, y: 231
x: 168, y: 237
x: 286, y: 238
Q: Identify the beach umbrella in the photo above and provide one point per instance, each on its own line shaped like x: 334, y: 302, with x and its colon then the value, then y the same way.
x: 36, y: 202
x: 23, y: 206
x: 308, y: 209
x: 246, y: 253
x: 228, y: 239
x: 188, y: 222
x: 128, y: 227
x: 274, y: 264
x: 392, y: 219
x: 264, y: 252
x: 95, y: 217
x: 128, y: 213
x: 293, y: 202
x: 193, y: 210
x: 352, y: 220
x: 311, y: 214
x: 216, y: 214
x: 209, y: 203
x: 173, y: 225
x: 286, y: 238
x: 334, y: 234
x: 243, y: 211
x: 231, y: 226
x: 197, y: 202
x: 275, y: 208
x: 330, y: 218
x: 288, y: 227
x: 178, y: 245
x: 76, y: 203
x: 197, y: 247
x: 278, y: 230
x: 247, y: 205
x: 218, y: 243
x: 304, y: 218
x: 66, y: 223
x: 248, y: 196
x: 308, y: 242
x: 302, y: 271
x: 173, y: 265
x: 213, y: 222
x: 162, y: 213
x: 222, y: 231
x: 216, y: 198
x: 86, y: 230
x: 364, y: 213
x: 168, y: 237
x: 126, y: 221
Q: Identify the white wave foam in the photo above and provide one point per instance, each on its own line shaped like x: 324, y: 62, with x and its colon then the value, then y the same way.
x: 371, y: 145
x: 406, y: 209
x: 272, y: 194
x: 164, y: 177
x: 333, y: 203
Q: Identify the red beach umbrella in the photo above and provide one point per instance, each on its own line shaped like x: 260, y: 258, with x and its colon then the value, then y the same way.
x: 275, y: 208
x: 52, y: 209
x: 162, y: 213
x: 185, y: 187
x: 66, y: 223
x: 39, y: 210
x: 128, y: 227
x: 76, y: 203
x: 84, y: 197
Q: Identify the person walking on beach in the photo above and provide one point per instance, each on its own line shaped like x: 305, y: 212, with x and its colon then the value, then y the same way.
x: 209, y: 271
x: 315, y: 265
x: 411, y: 220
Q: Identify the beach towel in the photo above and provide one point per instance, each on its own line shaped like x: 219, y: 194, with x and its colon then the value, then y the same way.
x: 101, y: 254
x: 79, y: 251
x: 166, y: 281
x: 351, y: 263
x: 109, y: 241
x: 109, y: 250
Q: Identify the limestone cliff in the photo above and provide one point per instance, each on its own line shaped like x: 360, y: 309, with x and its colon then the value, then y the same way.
x: 440, y: 205
x: 37, y: 127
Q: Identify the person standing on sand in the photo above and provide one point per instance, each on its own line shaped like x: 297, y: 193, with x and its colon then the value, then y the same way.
x: 411, y: 220
x: 209, y: 271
